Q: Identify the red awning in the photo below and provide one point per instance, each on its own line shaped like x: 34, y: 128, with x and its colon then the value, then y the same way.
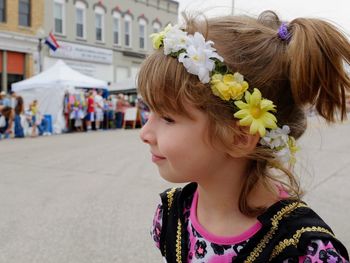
x: 15, y: 63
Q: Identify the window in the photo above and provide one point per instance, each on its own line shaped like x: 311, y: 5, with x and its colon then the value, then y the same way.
x: 156, y: 27
x: 59, y: 16
x: 142, y: 34
x: 99, y: 27
x: 116, y: 28
x: 80, y: 22
x: 80, y: 19
x: 24, y: 13
x: 2, y: 11
x: 99, y: 23
x: 127, y: 31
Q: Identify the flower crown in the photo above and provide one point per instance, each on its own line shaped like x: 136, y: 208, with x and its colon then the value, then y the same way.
x: 200, y: 58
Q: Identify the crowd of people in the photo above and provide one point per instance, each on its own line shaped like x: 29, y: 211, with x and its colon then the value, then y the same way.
x: 18, y: 121
x: 95, y: 110
x: 84, y: 110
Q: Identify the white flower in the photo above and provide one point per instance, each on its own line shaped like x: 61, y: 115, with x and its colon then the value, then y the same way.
x: 278, y: 140
x: 284, y: 155
x: 175, y: 39
x: 197, y: 58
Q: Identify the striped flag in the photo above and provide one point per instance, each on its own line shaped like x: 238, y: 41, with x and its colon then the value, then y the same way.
x: 52, y: 42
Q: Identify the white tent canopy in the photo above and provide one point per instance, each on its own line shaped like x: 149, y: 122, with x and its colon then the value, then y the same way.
x: 59, y: 75
x: 49, y: 88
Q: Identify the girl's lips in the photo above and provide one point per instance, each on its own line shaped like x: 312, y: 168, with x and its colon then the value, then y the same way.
x: 156, y: 158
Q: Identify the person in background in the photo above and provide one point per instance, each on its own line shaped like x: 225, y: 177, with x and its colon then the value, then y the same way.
x: 2, y: 96
x: 144, y: 110
x: 19, y: 111
x: 122, y: 105
x: 119, y: 111
x: 33, y: 111
x: 104, y: 124
x: 4, y: 100
x: 79, y: 113
x: 7, y: 117
x: 99, y: 109
x: 90, y: 117
x: 110, y: 113
x: 66, y: 110
x: 113, y: 108
x: 13, y: 99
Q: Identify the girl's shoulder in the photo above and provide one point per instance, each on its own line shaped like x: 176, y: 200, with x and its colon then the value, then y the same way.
x: 288, y: 228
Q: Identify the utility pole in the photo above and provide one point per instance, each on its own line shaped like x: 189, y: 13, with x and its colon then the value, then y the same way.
x: 39, y: 57
x: 40, y: 35
x: 233, y: 7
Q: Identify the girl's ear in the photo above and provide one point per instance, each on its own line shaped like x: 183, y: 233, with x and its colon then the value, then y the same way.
x: 243, y: 142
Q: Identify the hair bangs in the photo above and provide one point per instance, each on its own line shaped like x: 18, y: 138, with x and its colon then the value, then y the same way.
x: 164, y: 84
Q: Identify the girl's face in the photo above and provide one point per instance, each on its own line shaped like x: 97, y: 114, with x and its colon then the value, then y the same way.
x: 178, y: 146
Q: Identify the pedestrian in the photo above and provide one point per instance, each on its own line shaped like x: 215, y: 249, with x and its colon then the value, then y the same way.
x: 13, y: 99
x: 4, y: 99
x: 77, y: 114
x: 2, y: 96
x: 226, y: 96
x: 99, y: 109
x: 34, y: 117
x: 90, y: 117
x: 113, y: 112
x: 19, y: 117
x: 6, y: 121
x: 67, y: 108
x: 119, y: 111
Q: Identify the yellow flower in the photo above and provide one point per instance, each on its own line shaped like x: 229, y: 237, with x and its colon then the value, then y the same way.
x: 255, y: 113
x: 228, y: 86
x: 293, y: 148
x: 157, y: 38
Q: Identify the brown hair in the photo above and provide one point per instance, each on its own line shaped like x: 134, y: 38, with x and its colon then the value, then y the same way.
x: 6, y: 112
x: 19, y: 109
x: 308, y: 69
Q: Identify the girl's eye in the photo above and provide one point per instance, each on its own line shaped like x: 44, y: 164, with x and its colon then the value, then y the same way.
x: 168, y: 119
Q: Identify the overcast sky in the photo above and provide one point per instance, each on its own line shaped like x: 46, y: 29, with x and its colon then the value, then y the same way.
x: 337, y: 11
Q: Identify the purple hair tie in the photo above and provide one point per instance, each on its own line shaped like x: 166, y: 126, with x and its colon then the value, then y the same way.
x: 283, y: 32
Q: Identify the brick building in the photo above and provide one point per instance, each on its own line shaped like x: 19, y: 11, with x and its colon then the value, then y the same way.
x: 20, y: 21
x: 104, y: 39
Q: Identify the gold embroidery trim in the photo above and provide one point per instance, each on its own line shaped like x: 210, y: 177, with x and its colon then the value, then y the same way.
x: 295, y: 239
x: 275, y: 222
x: 178, y: 242
x: 170, y: 196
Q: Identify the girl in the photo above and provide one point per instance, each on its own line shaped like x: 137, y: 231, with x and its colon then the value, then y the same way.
x: 19, y: 112
x: 77, y: 113
x: 226, y: 98
x: 34, y: 115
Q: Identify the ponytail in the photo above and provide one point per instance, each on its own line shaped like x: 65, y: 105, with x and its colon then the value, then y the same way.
x: 317, y: 55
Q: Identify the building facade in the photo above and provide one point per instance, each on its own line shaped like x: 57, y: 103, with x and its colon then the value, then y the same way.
x: 20, y: 29
x: 106, y: 39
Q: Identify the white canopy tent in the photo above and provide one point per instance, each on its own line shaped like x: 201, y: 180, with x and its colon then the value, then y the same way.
x: 59, y: 75
x: 49, y: 88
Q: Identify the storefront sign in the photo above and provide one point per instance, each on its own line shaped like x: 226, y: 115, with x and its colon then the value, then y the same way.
x: 82, y: 53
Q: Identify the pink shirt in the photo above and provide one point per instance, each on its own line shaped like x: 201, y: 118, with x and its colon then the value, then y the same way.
x: 207, y: 247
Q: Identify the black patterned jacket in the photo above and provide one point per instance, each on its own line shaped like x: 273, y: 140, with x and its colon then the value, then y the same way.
x: 288, y: 227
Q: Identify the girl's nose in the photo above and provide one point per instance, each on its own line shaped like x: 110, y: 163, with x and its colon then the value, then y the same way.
x: 146, y: 133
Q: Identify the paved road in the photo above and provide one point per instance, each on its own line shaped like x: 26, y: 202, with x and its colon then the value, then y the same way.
x: 81, y: 198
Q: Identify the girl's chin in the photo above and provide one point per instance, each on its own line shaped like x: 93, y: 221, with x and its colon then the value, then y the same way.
x: 174, y: 179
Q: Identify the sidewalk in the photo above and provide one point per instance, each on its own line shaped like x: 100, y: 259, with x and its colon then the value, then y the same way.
x: 90, y: 197
x: 324, y: 166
